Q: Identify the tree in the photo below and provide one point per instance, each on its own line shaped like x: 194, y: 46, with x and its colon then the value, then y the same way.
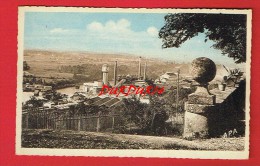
x: 159, y: 115
x: 33, y: 103
x: 135, y: 112
x: 150, y: 119
x: 228, y: 31
x: 25, y: 66
x: 170, y: 98
x: 56, y: 96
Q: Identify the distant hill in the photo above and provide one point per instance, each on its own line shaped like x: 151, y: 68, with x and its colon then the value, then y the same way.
x: 88, y: 64
x: 53, y: 63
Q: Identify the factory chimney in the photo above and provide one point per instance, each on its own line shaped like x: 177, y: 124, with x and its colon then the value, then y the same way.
x: 145, y: 66
x: 115, y: 73
x: 105, y: 74
x: 139, y: 69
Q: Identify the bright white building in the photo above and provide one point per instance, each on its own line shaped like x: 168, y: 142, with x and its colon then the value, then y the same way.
x: 92, y: 87
x: 168, y: 76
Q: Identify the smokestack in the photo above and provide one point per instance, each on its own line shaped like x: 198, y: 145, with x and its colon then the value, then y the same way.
x: 145, y: 66
x: 105, y: 74
x: 139, y: 69
x: 115, y: 73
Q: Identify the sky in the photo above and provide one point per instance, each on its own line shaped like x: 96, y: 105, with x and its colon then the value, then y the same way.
x: 123, y: 33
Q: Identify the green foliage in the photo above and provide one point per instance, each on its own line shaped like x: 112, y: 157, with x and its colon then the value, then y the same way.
x: 92, y: 72
x: 170, y: 98
x: 87, y: 110
x: 150, y: 119
x: 33, y: 103
x: 157, y: 108
x: 58, y: 84
x: 57, y: 96
x: 135, y: 112
x: 233, y: 74
x: 80, y: 78
x: 228, y: 31
x: 82, y: 73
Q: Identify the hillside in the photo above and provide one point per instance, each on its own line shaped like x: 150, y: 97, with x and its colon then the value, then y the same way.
x: 50, y: 64
x: 65, y: 64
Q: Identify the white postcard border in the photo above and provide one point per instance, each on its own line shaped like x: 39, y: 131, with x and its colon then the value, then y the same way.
x: 128, y: 153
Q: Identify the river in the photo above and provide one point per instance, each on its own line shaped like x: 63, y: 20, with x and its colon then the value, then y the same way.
x: 68, y: 91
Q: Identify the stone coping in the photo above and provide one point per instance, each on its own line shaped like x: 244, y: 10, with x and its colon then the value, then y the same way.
x: 222, y: 95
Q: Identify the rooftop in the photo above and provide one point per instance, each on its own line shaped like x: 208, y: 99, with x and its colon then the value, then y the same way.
x: 102, y: 101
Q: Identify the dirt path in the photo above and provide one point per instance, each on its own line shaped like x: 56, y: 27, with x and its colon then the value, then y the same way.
x: 159, y: 142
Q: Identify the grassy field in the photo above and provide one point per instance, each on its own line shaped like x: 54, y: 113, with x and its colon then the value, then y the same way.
x: 93, y: 140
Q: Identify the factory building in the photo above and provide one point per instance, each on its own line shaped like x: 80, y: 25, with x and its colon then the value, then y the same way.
x: 93, y: 88
x: 96, y: 86
x: 167, y: 77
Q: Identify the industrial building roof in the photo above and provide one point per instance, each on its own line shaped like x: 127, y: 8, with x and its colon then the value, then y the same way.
x: 111, y: 102
x: 101, y: 101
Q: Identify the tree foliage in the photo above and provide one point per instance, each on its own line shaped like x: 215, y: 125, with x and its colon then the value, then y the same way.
x: 157, y: 107
x: 135, y: 112
x: 33, y: 103
x: 25, y: 66
x: 228, y: 31
x: 170, y: 99
x: 149, y: 118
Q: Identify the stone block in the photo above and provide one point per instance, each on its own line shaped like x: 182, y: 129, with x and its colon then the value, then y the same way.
x: 195, y: 126
x: 198, y: 108
x: 197, y: 98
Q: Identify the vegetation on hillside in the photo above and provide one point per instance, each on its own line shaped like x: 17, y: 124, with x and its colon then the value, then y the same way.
x: 150, y: 119
x: 86, y: 67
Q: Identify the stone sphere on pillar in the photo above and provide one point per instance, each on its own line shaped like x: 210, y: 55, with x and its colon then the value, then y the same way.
x: 203, y: 70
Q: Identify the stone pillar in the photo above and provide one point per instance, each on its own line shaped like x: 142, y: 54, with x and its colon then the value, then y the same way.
x: 201, y: 103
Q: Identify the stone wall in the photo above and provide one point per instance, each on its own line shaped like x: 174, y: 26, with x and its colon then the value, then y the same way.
x: 227, y: 114
x: 229, y: 111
